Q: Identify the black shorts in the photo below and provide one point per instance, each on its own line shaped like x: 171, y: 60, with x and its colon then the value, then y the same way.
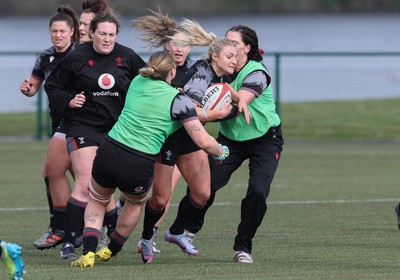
x: 60, y: 130
x: 118, y: 166
x: 75, y: 129
x: 55, y: 125
x: 79, y: 142
x: 178, y: 143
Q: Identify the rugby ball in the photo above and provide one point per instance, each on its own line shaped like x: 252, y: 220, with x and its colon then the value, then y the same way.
x: 216, y: 96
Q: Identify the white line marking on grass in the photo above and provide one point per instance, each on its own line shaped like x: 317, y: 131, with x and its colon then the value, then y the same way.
x: 23, y: 209
x: 283, y: 202
x: 338, y: 201
x: 305, y: 202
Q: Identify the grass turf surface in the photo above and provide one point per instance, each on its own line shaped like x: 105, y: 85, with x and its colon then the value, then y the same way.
x: 330, y: 216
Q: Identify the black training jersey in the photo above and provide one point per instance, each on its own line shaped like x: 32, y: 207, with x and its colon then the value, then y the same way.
x: 203, y: 77
x: 44, y: 65
x: 48, y: 60
x: 104, y: 79
x: 181, y: 71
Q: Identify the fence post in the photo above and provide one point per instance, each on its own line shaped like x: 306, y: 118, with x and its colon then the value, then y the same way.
x: 277, y: 82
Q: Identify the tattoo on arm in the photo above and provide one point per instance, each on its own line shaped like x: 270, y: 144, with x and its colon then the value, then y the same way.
x: 195, y: 128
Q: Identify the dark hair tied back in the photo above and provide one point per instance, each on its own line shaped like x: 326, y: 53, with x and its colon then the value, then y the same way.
x: 66, y: 14
x: 94, y: 6
x: 249, y: 37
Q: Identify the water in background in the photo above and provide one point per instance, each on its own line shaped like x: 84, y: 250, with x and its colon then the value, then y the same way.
x: 302, y: 78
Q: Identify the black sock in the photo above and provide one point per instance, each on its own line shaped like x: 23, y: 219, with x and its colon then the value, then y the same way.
x: 90, y: 240
x: 151, y: 217
x: 117, y: 241
x: 49, y: 202
x: 196, y: 220
x: 110, y: 221
x: 186, y: 208
x: 59, y: 218
x: 73, y: 219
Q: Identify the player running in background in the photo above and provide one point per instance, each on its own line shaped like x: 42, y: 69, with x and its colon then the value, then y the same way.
x: 10, y: 256
x: 60, y: 197
x: 152, y: 111
x: 93, y: 81
x: 64, y: 34
x: 260, y: 142
x: 58, y: 161
x: 90, y: 9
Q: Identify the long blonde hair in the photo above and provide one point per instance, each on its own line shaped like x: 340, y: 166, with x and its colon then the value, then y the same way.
x: 196, y: 36
x: 156, y: 29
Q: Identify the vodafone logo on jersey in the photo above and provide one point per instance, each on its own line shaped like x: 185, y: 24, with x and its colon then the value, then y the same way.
x: 106, y: 81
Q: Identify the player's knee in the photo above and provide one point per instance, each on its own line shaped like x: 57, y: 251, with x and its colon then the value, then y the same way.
x: 53, y: 173
x: 261, y: 191
x: 158, y: 202
x: 200, y: 199
x: 81, y: 193
x: 99, y: 198
x: 55, y: 170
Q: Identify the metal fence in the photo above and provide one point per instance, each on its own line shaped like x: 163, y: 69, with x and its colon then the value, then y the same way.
x: 297, y: 77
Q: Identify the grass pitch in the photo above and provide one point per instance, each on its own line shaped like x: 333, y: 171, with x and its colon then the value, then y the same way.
x: 330, y: 216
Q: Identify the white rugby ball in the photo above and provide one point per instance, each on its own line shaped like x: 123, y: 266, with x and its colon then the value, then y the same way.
x: 216, y: 96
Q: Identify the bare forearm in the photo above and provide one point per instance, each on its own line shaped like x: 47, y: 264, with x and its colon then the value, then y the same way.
x: 202, y: 139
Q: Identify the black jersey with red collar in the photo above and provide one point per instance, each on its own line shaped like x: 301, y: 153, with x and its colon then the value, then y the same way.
x: 104, y: 79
